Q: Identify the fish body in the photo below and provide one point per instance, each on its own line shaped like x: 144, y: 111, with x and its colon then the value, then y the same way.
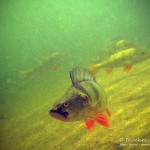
x: 117, y: 59
x: 84, y: 100
x: 49, y: 62
x: 125, y: 58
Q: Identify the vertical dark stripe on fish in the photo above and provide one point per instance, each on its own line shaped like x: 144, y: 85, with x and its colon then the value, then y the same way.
x: 79, y: 74
x: 74, y: 77
x: 79, y: 86
x: 71, y: 78
x: 92, y: 86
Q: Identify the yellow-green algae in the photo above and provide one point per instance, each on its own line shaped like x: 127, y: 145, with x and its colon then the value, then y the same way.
x: 27, y: 126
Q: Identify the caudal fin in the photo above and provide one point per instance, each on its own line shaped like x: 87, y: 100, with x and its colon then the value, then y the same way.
x: 94, y: 68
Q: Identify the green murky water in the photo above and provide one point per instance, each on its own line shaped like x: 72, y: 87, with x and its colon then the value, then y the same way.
x: 30, y: 31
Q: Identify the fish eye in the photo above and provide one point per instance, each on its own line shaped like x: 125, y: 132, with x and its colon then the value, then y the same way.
x: 65, y: 105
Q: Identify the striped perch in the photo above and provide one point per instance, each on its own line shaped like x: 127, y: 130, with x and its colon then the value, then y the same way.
x: 84, y: 100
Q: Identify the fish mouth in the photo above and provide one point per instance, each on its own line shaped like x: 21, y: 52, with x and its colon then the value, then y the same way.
x: 57, y: 113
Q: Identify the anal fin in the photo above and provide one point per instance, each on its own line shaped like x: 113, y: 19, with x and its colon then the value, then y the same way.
x: 127, y: 68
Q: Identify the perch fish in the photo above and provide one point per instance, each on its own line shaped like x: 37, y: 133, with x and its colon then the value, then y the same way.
x: 84, y: 100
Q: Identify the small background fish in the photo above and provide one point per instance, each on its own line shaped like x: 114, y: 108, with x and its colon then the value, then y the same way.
x: 52, y: 62
x: 123, y: 56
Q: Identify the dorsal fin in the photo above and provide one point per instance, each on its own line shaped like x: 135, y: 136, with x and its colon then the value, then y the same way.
x: 79, y: 74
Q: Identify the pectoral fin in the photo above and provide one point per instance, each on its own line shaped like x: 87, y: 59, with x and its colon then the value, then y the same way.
x: 89, y: 123
x: 101, y: 119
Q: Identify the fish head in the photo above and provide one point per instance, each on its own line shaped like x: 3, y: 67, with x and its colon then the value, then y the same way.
x: 70, y: 106
x: 142, y: 55
x: 145, y: 55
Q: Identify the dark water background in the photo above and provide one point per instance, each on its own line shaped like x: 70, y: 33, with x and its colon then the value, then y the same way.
x: 81, y: 29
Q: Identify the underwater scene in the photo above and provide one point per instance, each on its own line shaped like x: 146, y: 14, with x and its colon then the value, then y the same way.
x: 75, y: 75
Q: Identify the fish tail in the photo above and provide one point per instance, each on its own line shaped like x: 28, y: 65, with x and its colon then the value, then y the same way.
x: 94, y: 68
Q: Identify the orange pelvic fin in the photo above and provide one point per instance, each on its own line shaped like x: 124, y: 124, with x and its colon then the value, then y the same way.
x: 90, y: 123
x: 109, y: 70
x: 101, y: 119
x: 127, y: 68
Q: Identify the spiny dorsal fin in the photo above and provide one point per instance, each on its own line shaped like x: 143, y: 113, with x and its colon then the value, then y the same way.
x: 79, y: 74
